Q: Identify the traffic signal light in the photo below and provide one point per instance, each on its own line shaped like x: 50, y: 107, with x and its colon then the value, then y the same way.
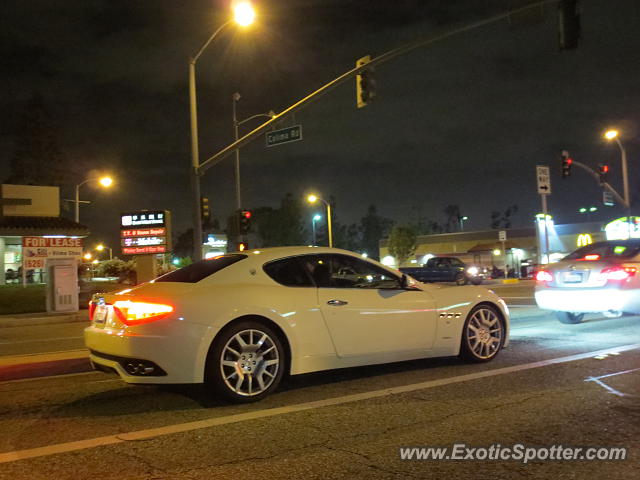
x: 245, y: 221
x: 603, y: 170
x: 365, y: 83
x: 242, y: 246
x: 568, y: 24
x: 205, y: 213
x: 567, y: 161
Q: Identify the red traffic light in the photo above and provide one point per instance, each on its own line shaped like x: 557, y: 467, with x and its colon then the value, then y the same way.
x: 569, y: 161
x: 246, y: 214
x: 604, y: 168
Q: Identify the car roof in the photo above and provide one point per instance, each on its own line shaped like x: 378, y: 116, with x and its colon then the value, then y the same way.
x: 272, y: 253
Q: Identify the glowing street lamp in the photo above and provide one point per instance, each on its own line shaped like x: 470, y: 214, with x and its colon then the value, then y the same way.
x: 104, y: 181
x: 100, y: 247
x: 88, y: 256
x: 313, y: 199
x: 244, y: 15
x: 314, y: 219
x: 610, y: 135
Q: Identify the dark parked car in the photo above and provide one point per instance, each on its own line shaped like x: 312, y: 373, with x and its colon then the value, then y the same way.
x: 446, y: 269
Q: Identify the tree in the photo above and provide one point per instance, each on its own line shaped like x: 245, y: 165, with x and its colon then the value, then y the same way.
x: 37, y: 158
x: 372, y: 228
x: 183, y: 246
x: 402, y: 243
x: 453, y: 217
x: 503, y: 219
x: 281, y: 226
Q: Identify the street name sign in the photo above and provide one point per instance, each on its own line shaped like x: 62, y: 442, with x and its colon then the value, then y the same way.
x: 544, y: 180
x: 284, y: 135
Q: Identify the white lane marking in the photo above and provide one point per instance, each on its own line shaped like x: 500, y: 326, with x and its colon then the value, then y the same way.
x: 258, y: 414
x: 55, y: 377
x: 609, y: 388
x: 40, y: 340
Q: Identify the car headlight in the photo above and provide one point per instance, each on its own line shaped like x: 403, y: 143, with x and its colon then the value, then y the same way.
x: 472, y: 270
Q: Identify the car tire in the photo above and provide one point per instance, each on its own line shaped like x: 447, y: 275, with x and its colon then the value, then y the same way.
x: 460, y: 279
x: 569, y: 317
x: 246, y: 362
x: 483, y: 334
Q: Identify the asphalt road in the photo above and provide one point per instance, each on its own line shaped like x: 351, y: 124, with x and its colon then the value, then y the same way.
x: 575, y: 385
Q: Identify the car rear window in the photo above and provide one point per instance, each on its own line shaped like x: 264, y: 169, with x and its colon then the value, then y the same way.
x: 289, y: 272
x: 621, y: 249
x: 197, y: 271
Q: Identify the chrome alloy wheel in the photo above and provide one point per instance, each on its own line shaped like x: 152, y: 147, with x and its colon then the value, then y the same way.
x: 484, y: 333
x: 249, y: 362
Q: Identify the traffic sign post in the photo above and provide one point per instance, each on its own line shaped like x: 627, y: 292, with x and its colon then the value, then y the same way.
x: 544, y: 189
x: 284, y: 135
x: 607, y: 199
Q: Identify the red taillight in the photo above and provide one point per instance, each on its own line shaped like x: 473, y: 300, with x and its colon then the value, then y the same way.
x: 92, y: 310
x: 592, y: 257
x: 617, y: 273
x: 544, y: 276
x: 136, y: 312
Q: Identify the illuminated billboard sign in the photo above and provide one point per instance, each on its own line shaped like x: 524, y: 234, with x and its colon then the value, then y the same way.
x: 623, y: 228
x: 147, y: 232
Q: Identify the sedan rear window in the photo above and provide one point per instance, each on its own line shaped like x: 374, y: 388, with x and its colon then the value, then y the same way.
x: 197, y: 271
x: 604, y: 250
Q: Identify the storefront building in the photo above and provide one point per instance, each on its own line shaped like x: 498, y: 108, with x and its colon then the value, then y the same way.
x: 522, y: 247
x: 29, y: 211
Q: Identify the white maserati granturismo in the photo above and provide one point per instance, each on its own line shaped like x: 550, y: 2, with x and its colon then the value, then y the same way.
x: 239, y: 322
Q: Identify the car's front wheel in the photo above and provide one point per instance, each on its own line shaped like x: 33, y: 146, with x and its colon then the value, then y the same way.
x: 246, y: 363
x: 483, y: 334
x: 569, y: 317
x: 460, y: 279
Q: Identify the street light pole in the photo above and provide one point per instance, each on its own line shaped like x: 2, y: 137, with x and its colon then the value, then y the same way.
x: 625, y: 173
x: 314, y: 219
x: 104, y: 181
x: 244, y: 15
x: 236, y: 97
x: 313, y: 199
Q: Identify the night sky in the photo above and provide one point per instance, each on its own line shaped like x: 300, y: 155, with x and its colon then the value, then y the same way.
x: 462, y: 122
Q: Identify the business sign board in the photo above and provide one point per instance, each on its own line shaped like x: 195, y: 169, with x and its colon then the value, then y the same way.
x: 36, y: 250
x: 146, y: 232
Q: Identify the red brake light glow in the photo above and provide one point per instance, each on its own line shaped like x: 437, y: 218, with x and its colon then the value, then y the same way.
x: 92, y: 310
x: 135, y: 313
x: 592, y: 257
x: 617, y: 273
x: 544, y: 276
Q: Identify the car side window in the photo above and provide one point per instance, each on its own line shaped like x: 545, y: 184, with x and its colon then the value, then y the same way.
x: 456, y: 263
x: 351, y: 272
x: 289, y: 272
x: 319, y: 268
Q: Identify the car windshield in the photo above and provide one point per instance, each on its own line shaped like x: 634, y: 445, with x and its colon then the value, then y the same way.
x: 602, y: 250
x: 197, y: 271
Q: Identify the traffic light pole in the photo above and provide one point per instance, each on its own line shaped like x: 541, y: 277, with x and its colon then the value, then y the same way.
x: 623, y: 201
x: 385, y: 57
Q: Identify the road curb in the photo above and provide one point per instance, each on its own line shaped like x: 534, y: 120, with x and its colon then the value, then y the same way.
x: 43, y: 319
x: 18, y: 367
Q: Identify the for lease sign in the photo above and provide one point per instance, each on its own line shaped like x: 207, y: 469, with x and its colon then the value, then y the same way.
x: 35, y: 250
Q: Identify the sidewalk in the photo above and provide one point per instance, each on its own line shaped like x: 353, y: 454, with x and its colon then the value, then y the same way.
x: 42, y: 318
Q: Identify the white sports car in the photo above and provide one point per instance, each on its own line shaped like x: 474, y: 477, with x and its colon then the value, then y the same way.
x: 241, y: 321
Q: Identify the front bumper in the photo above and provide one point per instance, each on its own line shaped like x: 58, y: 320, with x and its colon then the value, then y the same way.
x: 587, y: 300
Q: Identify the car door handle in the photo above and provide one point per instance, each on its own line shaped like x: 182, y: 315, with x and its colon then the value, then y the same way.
x: 337, y: 303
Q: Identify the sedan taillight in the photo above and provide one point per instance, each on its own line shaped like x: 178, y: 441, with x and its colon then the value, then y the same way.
x: 617, y: 273
x: 135, y: 312
x: 544, y: 276
x: 92, y: 310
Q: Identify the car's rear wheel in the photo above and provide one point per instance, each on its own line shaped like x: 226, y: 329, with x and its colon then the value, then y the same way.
x: 460, y: 279
x: 569, y: 317
x: 246, y: 363
x: 483, y: 334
